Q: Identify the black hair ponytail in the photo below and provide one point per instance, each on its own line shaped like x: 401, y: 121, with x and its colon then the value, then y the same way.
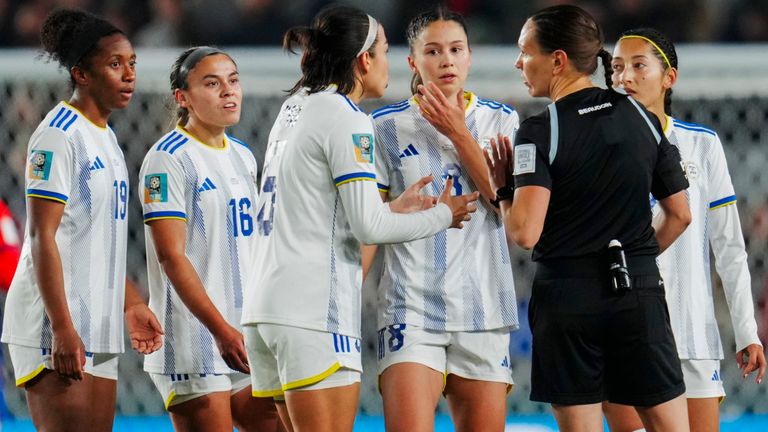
x: 330, y: 47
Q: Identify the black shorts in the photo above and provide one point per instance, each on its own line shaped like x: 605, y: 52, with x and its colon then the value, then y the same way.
x: 591, y: 344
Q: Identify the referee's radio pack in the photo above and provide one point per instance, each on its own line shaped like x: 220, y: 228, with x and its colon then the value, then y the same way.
x: 617, y: 264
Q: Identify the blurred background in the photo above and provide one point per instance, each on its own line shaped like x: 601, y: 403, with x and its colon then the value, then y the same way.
x: 723, y: 52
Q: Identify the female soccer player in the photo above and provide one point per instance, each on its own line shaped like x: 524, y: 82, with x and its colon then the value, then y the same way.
x: 198, y: 194
x: 447, y: 303
x: 318, y: 202
x: 64, y: 312
x: 577, y: 192
x: 645, y: 66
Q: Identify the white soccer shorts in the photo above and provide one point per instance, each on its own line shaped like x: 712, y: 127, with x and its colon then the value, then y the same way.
x: 479, y: 355
x: 29, y: 362
x: 285, y: 358
x: 180, y: 388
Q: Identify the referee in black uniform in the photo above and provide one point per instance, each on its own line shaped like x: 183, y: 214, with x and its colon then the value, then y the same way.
x: 582, y: 173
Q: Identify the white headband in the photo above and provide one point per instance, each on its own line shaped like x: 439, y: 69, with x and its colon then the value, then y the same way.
x: 373, y: 28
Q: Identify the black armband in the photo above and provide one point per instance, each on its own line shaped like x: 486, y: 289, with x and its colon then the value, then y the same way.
x: 504, y: 193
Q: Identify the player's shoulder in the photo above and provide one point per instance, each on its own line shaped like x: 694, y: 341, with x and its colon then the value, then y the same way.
x: 61, y: 122
x: 241, y: 147
x: 693, y: 130
x: 391, y: 110
x: 169, y: 147
x: 328, y: 106
x: 171, y: 143
x: 494, y: 106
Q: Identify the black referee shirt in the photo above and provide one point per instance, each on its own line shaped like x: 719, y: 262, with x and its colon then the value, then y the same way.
x: 601, y: 154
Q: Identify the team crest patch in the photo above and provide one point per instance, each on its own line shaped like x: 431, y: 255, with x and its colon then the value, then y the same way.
x: 691, y: 170
x: 40, y: 165
x: 155, y: 188
x: 525, y: 159
x: 363, y: 147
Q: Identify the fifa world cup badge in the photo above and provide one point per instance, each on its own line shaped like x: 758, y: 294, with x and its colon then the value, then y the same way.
x: 155, y: 188
x: 363, y: 147
x: 40, y: 165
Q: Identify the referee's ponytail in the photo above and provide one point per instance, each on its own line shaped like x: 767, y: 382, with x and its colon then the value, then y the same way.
x: 606, y: 58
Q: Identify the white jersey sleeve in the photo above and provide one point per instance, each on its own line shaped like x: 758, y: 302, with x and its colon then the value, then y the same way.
x: 728, y: 248
x: 162, y: 186
x: 351, y: 156
x: 50, y: 167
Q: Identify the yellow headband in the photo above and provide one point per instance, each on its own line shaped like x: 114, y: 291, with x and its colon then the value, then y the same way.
x: 650, y: 42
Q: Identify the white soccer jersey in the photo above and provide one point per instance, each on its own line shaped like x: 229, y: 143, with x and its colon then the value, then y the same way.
x: 685, y: 265
x: 318, y: 196
x: 458, y: 280
x: 214, y: 190
x: 75, y: 162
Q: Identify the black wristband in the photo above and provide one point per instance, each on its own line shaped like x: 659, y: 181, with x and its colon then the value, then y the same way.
x: 504, y: 193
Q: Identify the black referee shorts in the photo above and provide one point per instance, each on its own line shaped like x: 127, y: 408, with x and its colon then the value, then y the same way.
x: 591, y: 344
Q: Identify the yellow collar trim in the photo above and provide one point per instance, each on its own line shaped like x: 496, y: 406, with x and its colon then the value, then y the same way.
x: 181, y: 129
x: 83, y: 115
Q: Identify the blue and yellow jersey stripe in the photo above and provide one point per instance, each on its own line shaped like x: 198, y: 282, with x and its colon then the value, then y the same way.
x: 382, y: 187
x: 358, y: 176
x: 54, y: 196
x: 722, y: 202
x: 157, y: 215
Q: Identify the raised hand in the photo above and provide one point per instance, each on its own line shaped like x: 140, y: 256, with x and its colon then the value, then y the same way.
x: 447, y: 116
x: 411, y: 200
x: 499, y: 161
x: 462, y: 206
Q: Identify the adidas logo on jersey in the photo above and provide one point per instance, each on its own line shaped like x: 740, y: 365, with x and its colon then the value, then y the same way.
x: 505, y: 362
x: 207, y: 185
x: 409, y: 151
x: 97, y: 164
x: 716, y: 376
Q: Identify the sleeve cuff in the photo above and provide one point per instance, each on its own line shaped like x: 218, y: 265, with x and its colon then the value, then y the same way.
x: 54, y: 196
x: 352, y: 177
x: 151, y: 216
x: 722, y: 202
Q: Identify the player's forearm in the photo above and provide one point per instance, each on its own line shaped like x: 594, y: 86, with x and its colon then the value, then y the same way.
x: 373, y: 222
x: 50, y: 279
x: 132, y: 296
x: 191, y: 291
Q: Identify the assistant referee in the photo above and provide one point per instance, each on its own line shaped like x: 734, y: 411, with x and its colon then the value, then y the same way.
x: 582, y: 173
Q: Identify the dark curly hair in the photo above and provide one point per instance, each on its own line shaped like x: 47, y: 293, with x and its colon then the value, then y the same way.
x: 667, y: 49
x: 70, y: 37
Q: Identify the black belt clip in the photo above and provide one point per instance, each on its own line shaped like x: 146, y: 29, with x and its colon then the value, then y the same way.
x: 617, y: 266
